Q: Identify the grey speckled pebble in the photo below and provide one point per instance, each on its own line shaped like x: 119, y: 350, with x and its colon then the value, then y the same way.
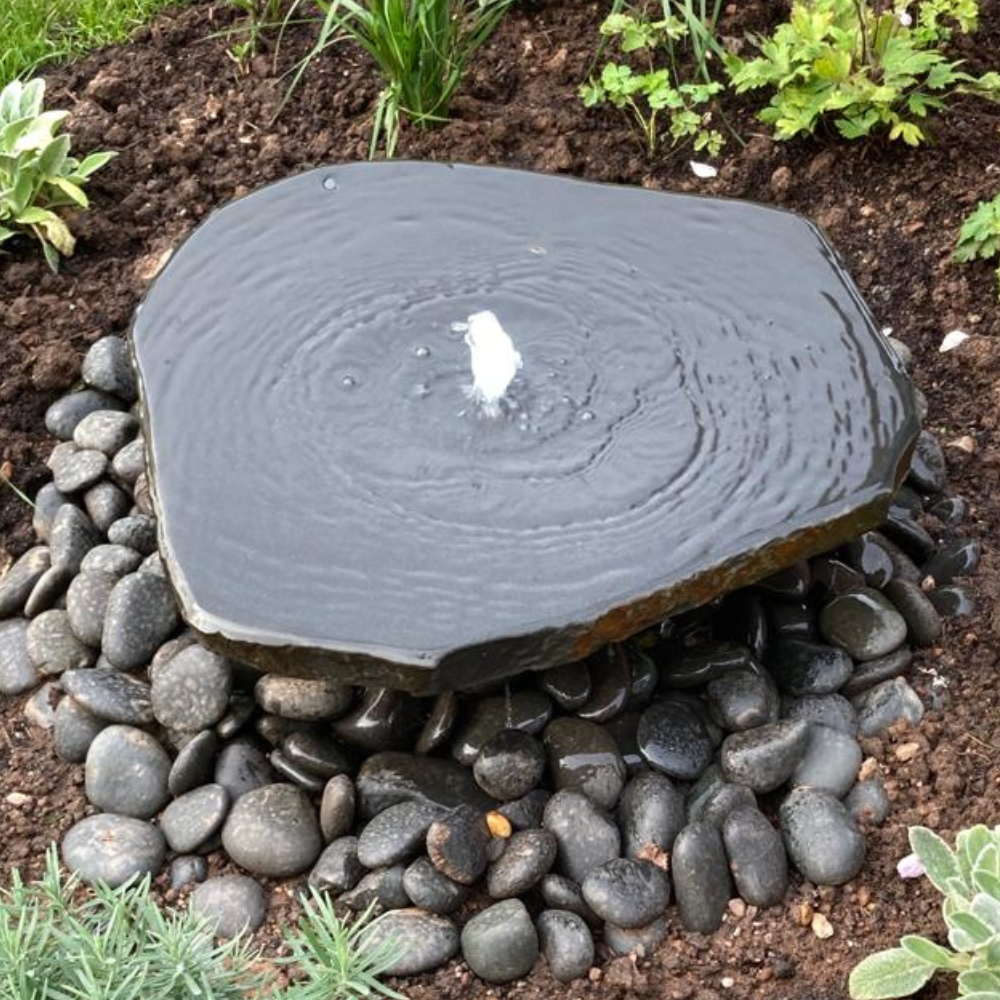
x: 867, y: 675
x: 823, y: 840
x: 831, y: 761
x: 431, y: 890
x: 886, y: 704
x: 638, y: 941
x: 54, y: 647
x: 48, y: 500
x: 48, y: 591
x: 234, y: 904
x: 191, y: 691
x: 62, y: 417
x: 868, y: 802
x: 126, y: 772
x: 500, y: 943
x: 105, y: 503
x: 187, y: 870
x: 529, y: 856
x: 112, y: 849
x: 337, y: 807
x: 426, y: 941
x: 650, y: 813
x: 130, y: 462
x: 107, y: 367
x: 864, y: 623
x: 586, y: 837
x: 306, y: 700
x: 17, y: 672
x: 87, y: 603
x: 141, y: 615
x: 763, y: 758
x: 582, y: 758
x: 20, y: 580
x: 106, y: 431
x: 79, y: 471
x: 241, y: 767
x: 757, y: 857
x: 701, y: 877
x: 396, y: 834
x: 511, y: 764
x: 273, y: 831
x: 627, y: 893
x: 116, y: 560
x: 137, y: 531
x: 73, y: 730
x: 191, y: 819
x: 561, y: 893
x: 382, y: 889
x: 73, y: 535
x: 338, y: 869
x: 566, y: 944
x: 40, y: 708
x: 194, y: 763
x: 832, y: 710
x: 110, y: 695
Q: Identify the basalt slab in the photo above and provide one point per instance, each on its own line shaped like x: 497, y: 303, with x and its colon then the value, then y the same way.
x: 704, y: 399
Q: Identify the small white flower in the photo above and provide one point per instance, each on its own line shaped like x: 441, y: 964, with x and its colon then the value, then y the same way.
x: 954, y: 339
x: 703, y: 170
x: 910, y: 867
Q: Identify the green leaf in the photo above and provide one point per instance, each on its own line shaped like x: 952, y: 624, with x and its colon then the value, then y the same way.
x: 978, y: 981
x: 966, y: 931
x: 986, y: 909
x: 53, y: 157
x: 71, y: 191
x: 927, y: 951
x: 888, y: 974
x: 6, y: 234
x: 94, y: 162
x: 935, y: 855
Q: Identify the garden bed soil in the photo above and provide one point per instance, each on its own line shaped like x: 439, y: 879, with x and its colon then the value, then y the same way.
x: 193, y: 134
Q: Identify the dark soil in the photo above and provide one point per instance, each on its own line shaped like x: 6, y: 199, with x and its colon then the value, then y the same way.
x: 193, y: 135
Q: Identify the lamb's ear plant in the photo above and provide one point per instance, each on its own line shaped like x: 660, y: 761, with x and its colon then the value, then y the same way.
x: 968, y: 877
x: 37, y: 174
x: 980, y: 236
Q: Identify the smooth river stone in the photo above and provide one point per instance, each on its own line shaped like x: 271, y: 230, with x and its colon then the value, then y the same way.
x: 382, y: 720
x: 194, y: 763
x: 74, y: 729
x: 233, y: 904
x: 110, y: 695
x: 141, y: 615
x: 743, y: 699
x: 301, y: 699
x: 673, y: 739
x: 112, y: 849
x: 800, y: 667
x: 832, y: 710
x: 958, y: 558
x: 927, y: 466
x: 117, y: 560
x: 338, y: 869
x: 864, y: 623
x: 823, y: 840
x: 137, y: 531
x: 593, y: 543
x: 79, y: 471
x: 566, y: 944
x: 421, y: 941
x: 190, y: 820
x: 106, y: 431
x: 72, y: 536
x: 765, y: 757
x: 191, y: 691
x: 584, y: 758
x: 611, y: 684
x: 108, y: 367
x: 17, y: 671
x: 831, y: 761
x: 757, y: 857
x: 382, y: 889
x: 887, y: 704
x: 701, y: 664
x: 62, y: 417
x: 627, y: 893
x: 529, y: 856
x: 500, y: 944
x: 650, y: 814
x: 16, y: 585
x: 526, y: 710
x: 53, y: 646
x: 923, y: 623
x: 951, y: 601
x: 242, y: 767
x: 567, y: 685
x: 126, y: 772
x: 391, y: 777
x: 458, y: 844
x: 437, y: 729
x: 586, y: 836
x: 511, y: 764
x: 396, y: 834
x: 106, y: 503
x: 866, y: 675
x: 432, y: 890
x: 87, y: 603
x: 701, y: 877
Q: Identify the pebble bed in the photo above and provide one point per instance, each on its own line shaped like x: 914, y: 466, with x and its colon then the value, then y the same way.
x: 704, y: 760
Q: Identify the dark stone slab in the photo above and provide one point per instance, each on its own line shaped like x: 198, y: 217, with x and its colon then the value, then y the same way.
x: 681, y: 355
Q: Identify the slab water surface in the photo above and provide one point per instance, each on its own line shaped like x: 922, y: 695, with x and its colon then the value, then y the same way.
x: 703, y: 398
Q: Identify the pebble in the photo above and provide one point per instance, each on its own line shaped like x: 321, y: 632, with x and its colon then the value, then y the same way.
x: 765, y: 757
x: 240, y: 711
x: 316, y: 753
x: 130, y: 461
x: 396, y: 834
x: 53, y: 646
x: 744, y: 620
x: 831, y: 761
x: 425, y: 940
x: 105, y: 503
x: 721, y: 799
x: 48, y: 591
x: 650, y: 814
x: 141, y: 615
x: 835, y: 577
x: 301, y: 698
x: 526, y: 812
x: 115, y: 560
x: 72, y: 535
x: 110, y: 695
x: 458, y: 844
x: 437, y: 729
x: 952, y: 601
x: 886, y: 704
x: 584, y: 758
x: 382, y: 720
x: 500, y: 944
x: 62, y: 417
x: 832, y: 710
x: 822, y: 839
x: 138, y: 531
x: 337, y: 808
x: 526, y: 710
x: 586, y: 836
x: 191, y: 690
x: 638, y: 941
x: 529, y: 856
x: 864, y: 623
x: 792, y: 582
x: 868, y: 802
x: 194, y: 764
x: 757, y: 858
x: 390, y: 777
x: 801, y: 668
x: 73, y: 730
x: 923, y: 623
x: 86, y: 605
x: 48, y: 500
x: 566, y: 944
x: 623, y: 729
x: 19, y: 581
x: 567, y: 685
x: 561, y: 893
x: 627, y: 893
x: 867, y: 675
x: 743, y: 699
x: 17, y: 671
x: 701, y: 664
x: 242, y: 767
x: 107, y: 367
x: 40, y: 708
x: 187, y: 870
x: 673, y: 739
x: 126, y: 772
x: 957, y: 558
x: 338, y: 869
x: 790, y: 620
x: 928, y: 472
x: 79, y: 471
x: 382, y: 889
x: 273, y: 831
x: 431, y: 890
x: 611, y: 684
x: 511, y: 764
x: 701, y: 877
x: 113, y: 849
x: 189, y: 821
x: 870, y: 555
x: 234, y: 904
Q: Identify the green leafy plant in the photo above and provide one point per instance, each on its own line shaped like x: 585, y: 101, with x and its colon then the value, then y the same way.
x: 339, y: 961
x: 260, y: 16
x: 968, y: 877
x: 646, y: 96
x: 980, y: 236
x: 870, y: 67
x: 37, y: 174
x: 422, y: 49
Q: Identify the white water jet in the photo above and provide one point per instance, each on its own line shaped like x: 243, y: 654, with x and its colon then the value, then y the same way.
x: 494, y: 361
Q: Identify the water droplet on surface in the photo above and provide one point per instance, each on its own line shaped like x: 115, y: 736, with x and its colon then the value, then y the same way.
x: 422, y: 352
x: 348, y: 381
x: 421, y: 390
x: 539, y: 251
x: 586, y: 415
x: 329, y: 184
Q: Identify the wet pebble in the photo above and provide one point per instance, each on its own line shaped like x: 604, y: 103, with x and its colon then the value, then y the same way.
x: 832, y: 710
x: 457, y: 844
x: 703, y: 663
x: 720, y: 799
x: 194, y: 763
x: 191, y: 691
x: 566, y: 944
x: 567, y: 685
x: 425, y: 940
x: 105, y: 503
x: 700, y: 871
x: 126, y: 772
x: 382, y: 889
x: 955, y: 559
x: 316, y: 753
x: 742, y: 699
x: 673, y: 739
x: 650, y: 814
x: 585, y: 835
x: 923, y: 623
x: 113, y: 849
x: 801, y: 668
x: 584, y: 758
x: 928, y: 472
x: 73, y: 730
x: 141, y: 615
x: 510, y: 765
x: 500, y: 944
x: 48, y: 500
x: 338, y: 869
x: 765, y: 757
x: 86, y: 605
x: 110, y: 695
x: 337, y: 807
x: 54, y: 647
x: 757, y: 858
x: 16, y: 586
x: 526, y: 710
x: 868, y: 802
x: 866, y: 675
x: 611, y: 684
x: 383, y: 719
x: 952, y: 601
x: 396, y: 834
x: 638, y: 941
x: 138, y: 531
x: 526, y: 812
x: 190, y: 820
x: 62, y: 417
x: 188, y: 869
x: 302, y: 699
x: 886, y: 704
x: 437, y: 729
x: 529, y: 856
x: 831, y: 761
x: 107, y: 367
x: 626, y: 892
x: 273, y: 831
x: 242, y: 767
x: 234, y: 904
x: 431, y: 890
x: 561, y: 893
x: 822, y: 839
x: 292, y: 772
x: 864, y: 623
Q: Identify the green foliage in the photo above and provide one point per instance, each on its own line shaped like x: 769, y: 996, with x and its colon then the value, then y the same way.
x: 644, y: 96
x: 980, y: 236
x: 422, y: 49
x: 33, y: 32
x: 339, y: 961
x: 37, y: 174
x: 968, y: 877
x: 260, y: 16
x: 115, y: 945
x: 867, y: 68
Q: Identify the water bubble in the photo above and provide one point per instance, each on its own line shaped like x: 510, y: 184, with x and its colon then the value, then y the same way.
x: 421, y: 390
x: 586, y: 415
x: 422, y: 352
x: 539, y: 251
x: 348, y: 381
x: 459, y: 327
x: 329, y: 184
